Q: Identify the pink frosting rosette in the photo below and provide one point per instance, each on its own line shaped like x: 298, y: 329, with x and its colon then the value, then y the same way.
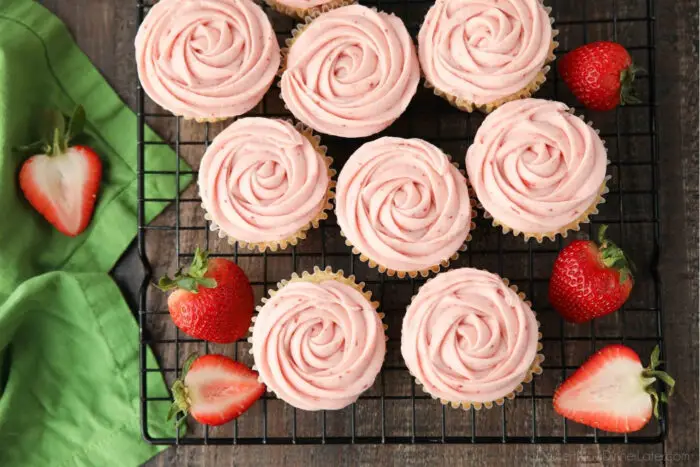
x: 264, y: 182
x: 350, y: 72
x: 318, y: 342
x: 469, y: 339
x: 206, y: 59
x: 481, y: 53
x: 537, y: 169
x: 403, y: 206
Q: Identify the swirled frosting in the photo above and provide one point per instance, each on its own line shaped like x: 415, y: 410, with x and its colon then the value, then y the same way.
x: 351, y: 72
x: 536, y: 167
x: 261, y: 180
x: 402, y: 204
x: 318, y: 345
x: 484, y: 50
x: 206, y: 58
x: 467, y: 337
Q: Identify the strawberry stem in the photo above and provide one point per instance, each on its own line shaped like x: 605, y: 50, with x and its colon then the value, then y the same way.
x: 193, y: 278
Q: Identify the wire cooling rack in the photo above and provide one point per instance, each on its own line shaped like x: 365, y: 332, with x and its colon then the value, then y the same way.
x: 395, y: 410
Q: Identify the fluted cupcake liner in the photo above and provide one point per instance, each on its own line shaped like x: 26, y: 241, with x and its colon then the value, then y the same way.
x: 303, y: 13
x: 574, y: 226
x: 318, y: 276
x: 535, y: 367
x: 534, y: 86
x: 445, y: 263
x: 205, y: 120
x: 299, y: 235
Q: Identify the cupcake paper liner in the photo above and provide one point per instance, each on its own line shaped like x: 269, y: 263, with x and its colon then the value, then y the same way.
x: 205, y: 120
x: 301, y: 233
x: 445, y: 263
x: 303, y: 13
x: 319, y: 275
x: 574, y: 226
x: 535, y: 368
x: 534, y: 86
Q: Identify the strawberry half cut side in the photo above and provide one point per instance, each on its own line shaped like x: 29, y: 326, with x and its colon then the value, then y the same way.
x: 61, y: 181
x: 612, y: 391
x: 214, y: 389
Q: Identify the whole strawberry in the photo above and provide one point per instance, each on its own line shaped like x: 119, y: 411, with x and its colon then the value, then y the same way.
x: 590, y: 280
x: 612, y: 391
x: 212, y: 301
x: 61, y: 181
x: 600, y: 75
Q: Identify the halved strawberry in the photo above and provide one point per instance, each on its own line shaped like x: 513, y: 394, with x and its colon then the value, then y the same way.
x: 62, y: 183
x: 214, y: 389
x: 612, y: 391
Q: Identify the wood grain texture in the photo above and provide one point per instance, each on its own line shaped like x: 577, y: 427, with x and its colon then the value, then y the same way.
x: 104, y: 29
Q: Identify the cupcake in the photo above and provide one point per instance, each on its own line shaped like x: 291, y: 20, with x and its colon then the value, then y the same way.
x: 403, y: 206
x: 318, y: 342
x: 265, y: 182
x: 470, y: 340
x: 537, y: 169
x: 206, y: 60
x: 303, y: 8
x: 350, y: 72
x: 479, y: 55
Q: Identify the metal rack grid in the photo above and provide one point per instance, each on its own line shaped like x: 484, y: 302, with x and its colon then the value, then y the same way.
x: 395, y: 410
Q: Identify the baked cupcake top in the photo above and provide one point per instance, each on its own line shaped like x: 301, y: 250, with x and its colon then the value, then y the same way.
x: 350, y: 72
x: 402, y: 204
x: 536, y: 167
x: 483, y: 51
x: 468, y: 337
x: 318, y: 344
x: 206, y: 59
x: 261, y: 180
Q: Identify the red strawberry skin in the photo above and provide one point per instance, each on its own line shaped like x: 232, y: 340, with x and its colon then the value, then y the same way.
x: 221, y: 314
x: 607, y: 392
x: 582, y: 288
x: 220, y: 389
x: 63, y: 188
x: 593, y: 73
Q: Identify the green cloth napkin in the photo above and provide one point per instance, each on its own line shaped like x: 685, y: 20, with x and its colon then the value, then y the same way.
x: 69, y: 391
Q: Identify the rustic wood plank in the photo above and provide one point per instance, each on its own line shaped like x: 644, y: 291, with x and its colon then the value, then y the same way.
x: 105, y: 29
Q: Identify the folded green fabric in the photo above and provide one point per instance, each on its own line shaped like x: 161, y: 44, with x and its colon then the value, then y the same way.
x: 69, y: 392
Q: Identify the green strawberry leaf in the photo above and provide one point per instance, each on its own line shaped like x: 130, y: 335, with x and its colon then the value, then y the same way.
x: 174, y: 409
x: 76, y: 123
x: 37, y: 147
x: 207, y: 282
x: 188, y: 283
x: 166, y: 283
x: 188, y: 363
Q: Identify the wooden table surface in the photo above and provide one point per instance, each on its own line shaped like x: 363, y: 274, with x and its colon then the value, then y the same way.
x: 105, y: 29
